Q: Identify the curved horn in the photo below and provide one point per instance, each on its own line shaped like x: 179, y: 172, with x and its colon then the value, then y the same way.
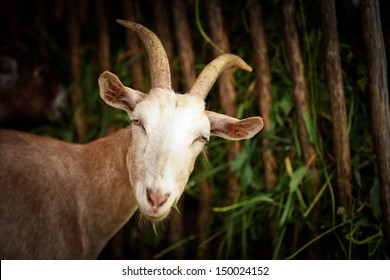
x: 210, y: 73
x: 158, y: 60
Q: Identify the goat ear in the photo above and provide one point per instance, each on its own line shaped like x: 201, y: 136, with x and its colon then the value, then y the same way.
x: 232, y: 128
x: 115, y: 94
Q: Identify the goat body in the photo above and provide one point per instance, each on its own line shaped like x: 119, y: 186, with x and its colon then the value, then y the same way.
x: 71, y: 199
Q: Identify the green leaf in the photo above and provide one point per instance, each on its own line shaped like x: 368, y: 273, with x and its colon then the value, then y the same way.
x: 258, y: 199
x: 375, y: 202
x: 174, y: 206
x: 296, y: 179
x: 309, y: 126
x: 288, y: 208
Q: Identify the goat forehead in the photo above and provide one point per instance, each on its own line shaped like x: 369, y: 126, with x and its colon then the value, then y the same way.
x: 163, y: 107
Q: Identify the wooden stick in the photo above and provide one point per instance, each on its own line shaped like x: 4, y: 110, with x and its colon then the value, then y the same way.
x: 75, y: 53
x: 103, y: 35
x: 227, y: 93
x: 301, y: 101
x: 137, y: 73
x: 264, y: 92
x: 263, y: 87
x: 184, y: 43
x: 379, y: 93
x: 337, y: 100
x: 162, y: 29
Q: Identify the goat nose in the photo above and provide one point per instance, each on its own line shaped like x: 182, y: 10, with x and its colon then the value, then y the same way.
x: 156, y: 199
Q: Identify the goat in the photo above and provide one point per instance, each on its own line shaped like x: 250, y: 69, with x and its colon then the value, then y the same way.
x: 65, y: 201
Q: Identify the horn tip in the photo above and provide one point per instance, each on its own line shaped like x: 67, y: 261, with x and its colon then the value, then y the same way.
x: 124, y: 23
x: 245, y: 66
x: 239, y: 62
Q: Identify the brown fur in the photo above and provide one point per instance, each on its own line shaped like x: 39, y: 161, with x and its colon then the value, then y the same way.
x: 87, y: 201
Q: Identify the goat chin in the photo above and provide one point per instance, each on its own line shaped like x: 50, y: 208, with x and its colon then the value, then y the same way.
x: 155, y: 219
x: 144, y: 221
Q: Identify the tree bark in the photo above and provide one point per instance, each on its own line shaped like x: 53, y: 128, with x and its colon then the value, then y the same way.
x: 301, y: 102
x: 103, y: 50
x: 227, y: 93
x: 338, y: 107
x: 264, y: 92
x: 204, y: 217
x: 184, y: 43
x: 301, y: 97
x: 263, y: 87
x: 58, y: 10
x: 132, y: 41
x: 379, y: 94
x: 162, y: 29
x: 75, y: 53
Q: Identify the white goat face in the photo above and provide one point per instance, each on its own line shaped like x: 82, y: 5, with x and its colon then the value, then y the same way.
x: 169, y: 130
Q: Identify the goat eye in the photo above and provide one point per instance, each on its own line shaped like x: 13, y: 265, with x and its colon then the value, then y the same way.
x: 138, y: 122
x: 202, y: 138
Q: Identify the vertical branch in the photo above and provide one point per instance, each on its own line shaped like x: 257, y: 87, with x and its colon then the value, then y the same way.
x: 300, y: 93
x: 379, y: 93
x: 83, y: 10
x: 103, y: 60
x: 103, y: 51
x: 227, y: 93
x: 132, y: 41
x: 162, y: 27
x: 204, y: 216
x: 264, y: 92
x: 75, y: 53
x: 184, y: 42
x: 220, y: 37
x: 263, y: 87
x: 337, y: 99
x: 301, y: 101
x: 58, y: 10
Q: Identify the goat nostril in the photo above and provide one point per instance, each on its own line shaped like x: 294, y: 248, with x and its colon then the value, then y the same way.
x: 149, y: 194
x: 156, y: 199
x: 161, y: 203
